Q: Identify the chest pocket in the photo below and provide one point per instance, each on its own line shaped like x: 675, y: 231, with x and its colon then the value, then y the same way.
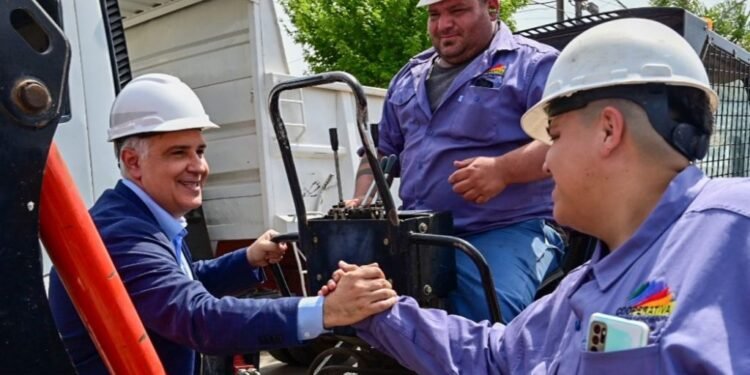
x: 404, y: 105
x: 402, y: 97
x: 477, y: 112
x: 645, y: 360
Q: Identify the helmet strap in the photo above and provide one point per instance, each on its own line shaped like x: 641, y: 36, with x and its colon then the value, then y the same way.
x: 688, y: 139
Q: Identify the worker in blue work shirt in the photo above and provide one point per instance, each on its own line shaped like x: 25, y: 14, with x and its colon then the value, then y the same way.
x: 452, y: 116
x: 156, y: 124
x: 626, y: 115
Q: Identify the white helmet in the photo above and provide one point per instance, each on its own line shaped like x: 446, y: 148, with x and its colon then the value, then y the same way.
x: 424, y: 3
x: 156, y: 103
x: 627, y: 51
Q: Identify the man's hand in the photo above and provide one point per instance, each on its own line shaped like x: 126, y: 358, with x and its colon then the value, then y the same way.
x: 356, y: 293
x: 354, y: 202
x: 264, y: 251
x: 478, y: 179
x: 343, y: 268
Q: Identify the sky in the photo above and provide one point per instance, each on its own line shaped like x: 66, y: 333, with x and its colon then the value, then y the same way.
x: 540, y: 12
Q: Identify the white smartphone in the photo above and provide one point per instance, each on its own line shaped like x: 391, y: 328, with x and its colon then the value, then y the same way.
x: 608, y: 333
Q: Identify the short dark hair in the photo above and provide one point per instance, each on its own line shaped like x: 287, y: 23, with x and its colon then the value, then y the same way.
x: 680, y: 114
x: 691, y: 105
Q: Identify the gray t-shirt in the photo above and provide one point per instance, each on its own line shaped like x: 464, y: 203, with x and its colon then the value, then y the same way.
x: 439, y: 80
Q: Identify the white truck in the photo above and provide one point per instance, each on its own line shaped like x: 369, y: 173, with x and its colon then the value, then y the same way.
x: 231, y: 53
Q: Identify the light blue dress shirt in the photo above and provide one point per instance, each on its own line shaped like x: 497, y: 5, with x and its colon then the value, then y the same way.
x: 309, y: 309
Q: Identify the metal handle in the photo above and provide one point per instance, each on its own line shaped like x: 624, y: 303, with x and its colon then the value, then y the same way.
x: 286, y: 151
x: 475, y: 256
x: 334, y: 138
x: 278, y: 274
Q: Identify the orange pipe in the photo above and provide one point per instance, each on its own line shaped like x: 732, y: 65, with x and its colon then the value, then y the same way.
x: 89, y: 276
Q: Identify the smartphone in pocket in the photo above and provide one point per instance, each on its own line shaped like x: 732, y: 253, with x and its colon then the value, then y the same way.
x: 608, y: 333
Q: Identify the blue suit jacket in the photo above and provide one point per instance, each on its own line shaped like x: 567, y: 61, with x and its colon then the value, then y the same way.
x: 181, y: 315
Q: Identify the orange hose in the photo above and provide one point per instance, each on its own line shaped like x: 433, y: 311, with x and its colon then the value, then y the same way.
x: 89, y: 276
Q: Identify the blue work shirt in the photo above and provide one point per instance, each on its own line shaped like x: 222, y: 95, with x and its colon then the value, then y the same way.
x: 479, y: 115
x: 684, y: 273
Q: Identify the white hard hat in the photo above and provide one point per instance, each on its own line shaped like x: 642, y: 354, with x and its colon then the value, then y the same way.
x: 424, y: 3
x: 627, y: 51
x: 156, y: 103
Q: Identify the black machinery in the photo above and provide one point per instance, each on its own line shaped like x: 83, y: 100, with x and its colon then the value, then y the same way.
x: 33, y: 74
x: 414, y: 248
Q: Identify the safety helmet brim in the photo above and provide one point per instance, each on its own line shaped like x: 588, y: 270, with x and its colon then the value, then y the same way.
x: 424, y: 3
x: 535, y: 121
x: 158, y: 126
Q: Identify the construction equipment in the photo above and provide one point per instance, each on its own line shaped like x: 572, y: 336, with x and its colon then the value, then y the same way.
x: 33, y: 99
x: 414, y: 248
x: 32, y: 96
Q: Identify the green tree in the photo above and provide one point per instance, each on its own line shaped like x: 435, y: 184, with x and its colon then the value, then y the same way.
x: 371, y: 39
x: 731, y: 18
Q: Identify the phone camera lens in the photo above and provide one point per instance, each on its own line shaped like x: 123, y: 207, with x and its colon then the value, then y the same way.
x: 595, y: 340
x: 597, y: 328
x: 594, y: 349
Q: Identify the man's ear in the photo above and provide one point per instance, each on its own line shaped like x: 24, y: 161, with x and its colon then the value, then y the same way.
x: 131, y: 161
x: 611, y: 125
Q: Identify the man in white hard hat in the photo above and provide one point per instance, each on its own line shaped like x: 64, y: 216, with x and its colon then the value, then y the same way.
x: 452, y: 116
x: 156, y: 124
x: 626, y: 114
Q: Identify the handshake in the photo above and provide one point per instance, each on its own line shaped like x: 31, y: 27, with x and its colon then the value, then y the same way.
x: 354, y: 293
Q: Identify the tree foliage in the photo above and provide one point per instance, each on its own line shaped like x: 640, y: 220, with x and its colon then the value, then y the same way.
x: 731, y: 18
x: 371, y: 39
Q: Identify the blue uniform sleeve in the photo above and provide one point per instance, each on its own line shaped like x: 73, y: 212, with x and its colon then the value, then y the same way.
x: 537, y: 77
x: 228, y: 274
x: 391, y: 139
x: 310, y: 318
x: 430, y: 341
x: 709, y: 326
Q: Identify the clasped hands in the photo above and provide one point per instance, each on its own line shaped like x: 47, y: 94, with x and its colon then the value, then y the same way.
x: 354, y: 293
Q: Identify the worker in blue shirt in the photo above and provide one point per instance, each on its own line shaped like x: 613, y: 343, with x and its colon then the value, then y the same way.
x: 186, y: 307
x: 452, y: 116
x: 626, y: 114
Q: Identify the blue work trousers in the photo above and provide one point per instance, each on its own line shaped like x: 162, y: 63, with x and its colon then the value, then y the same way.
x: 519, y: 257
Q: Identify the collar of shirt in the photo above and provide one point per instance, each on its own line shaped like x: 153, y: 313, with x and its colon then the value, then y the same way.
x: 502, y: 41
x: 168, y: 224
x: 420, y: 65
x: 679, y: 194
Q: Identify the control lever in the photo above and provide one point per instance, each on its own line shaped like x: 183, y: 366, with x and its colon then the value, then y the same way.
x: 333, y: 135
x: 278, y: 274
x: 389, y: 164
x: 389, y: 178
x: 374, y: 133
x: 386, y: 165
x: 371, y: 189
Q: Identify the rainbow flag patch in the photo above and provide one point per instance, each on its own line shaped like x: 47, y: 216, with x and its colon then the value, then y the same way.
x: 650, y: 299
x: 497, y: 70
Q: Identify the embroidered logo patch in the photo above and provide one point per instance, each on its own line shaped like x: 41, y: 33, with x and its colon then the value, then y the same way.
x: 497, y: 70
x: 652, y: 300
x: 492, y: 78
